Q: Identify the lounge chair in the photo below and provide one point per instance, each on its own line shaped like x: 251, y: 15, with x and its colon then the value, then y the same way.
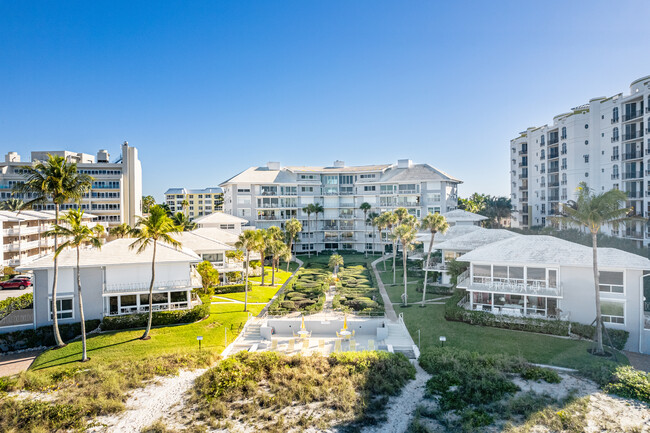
x: 274, y: 344
x: 290, y: 348
x: 337, y: 346
x: 305, y: 344
x: 371, y: 344
x: 353, y: 345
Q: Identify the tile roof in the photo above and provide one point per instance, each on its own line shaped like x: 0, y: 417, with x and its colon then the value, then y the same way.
x: 416, y: 172
x: 548, y: 250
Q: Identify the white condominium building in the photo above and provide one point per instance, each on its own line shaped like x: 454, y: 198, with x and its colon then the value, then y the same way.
x: 270, y: 195
x: 199, y: 201
x: 605, y: 143
x: 116, y: 194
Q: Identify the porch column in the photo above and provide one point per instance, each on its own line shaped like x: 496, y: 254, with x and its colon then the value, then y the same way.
x: 471, y: 300
x: 525, y: 305
x: 492, y: 302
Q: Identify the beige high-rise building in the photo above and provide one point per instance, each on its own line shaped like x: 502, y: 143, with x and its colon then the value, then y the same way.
x: 200, y: 202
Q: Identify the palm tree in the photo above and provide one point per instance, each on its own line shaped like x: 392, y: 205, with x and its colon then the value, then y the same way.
x: 59, y: 181
x: 276, y: 249
x: 593, y: 211
x: 365, y: 207
x: 186, y: 205
x: 122, y: 231
x: 335, y: 261
x: 156, y: 227
x: 400, y: 213
x: 183, y: 222
x: 406, y: 234
x: 318, y: 208
x: 274, y: 233
x: 309, y: 209
x: 261, y: 243
x: 291, y: 228
x: 147, y: 202
x: 434, y: 222
x: 391, y: 223
x: 382, y: 223
x: 246, y: 242
x: 12, y: 204
x: 372, y: 220
x: 235, y: 255
x: 78, y: 234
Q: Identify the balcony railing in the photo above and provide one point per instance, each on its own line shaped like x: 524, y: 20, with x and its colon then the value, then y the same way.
x: 523, y: 164
x: 632, y: 155
x: 615, y: 119
x: 633, y: 175
x: 523, y: 176
x: 555, y: 183
x: 615, y: 176
x: 552, y: 155
x: 633, y: 135
x: 631, y: 116
x: 615, y: 157
x: 552, y: 141
x: 634, y: 234
x: 542, y: 170
x: 553, y: 169
x: 509, y: 286
x: 615, y: 139
x: 523, y: 152
x: 564, y: 182
x: 158, y: 285
x: 635, y: 194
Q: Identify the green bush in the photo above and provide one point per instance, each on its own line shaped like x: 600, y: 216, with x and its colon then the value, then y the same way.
x: 231, y: 288
x: 160, y: 318
x: 539, y: 373
x: 630, y: 383
x: 17, y: 303
x: 42, y: 336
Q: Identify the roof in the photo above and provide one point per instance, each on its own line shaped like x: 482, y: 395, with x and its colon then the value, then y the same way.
x: 200, y: 243
x: 117, y: 252
x: 549, y: 250
x: 31, y: 215
x: 261, y: 175
x: 217, y: 234
x: 451, y: 233
x: 475, y: 239
x: 208, y: 190
x: 345, y: 169
x: 220, y: 218
x: 416, y: 173
x: 463, y: 215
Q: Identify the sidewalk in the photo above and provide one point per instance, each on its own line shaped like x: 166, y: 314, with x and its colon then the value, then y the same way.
x: 17, y: 363
x: 388, y: 305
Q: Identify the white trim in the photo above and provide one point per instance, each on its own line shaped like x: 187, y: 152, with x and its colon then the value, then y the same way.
x: 59, y: 298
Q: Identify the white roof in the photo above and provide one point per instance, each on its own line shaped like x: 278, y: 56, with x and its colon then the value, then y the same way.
x: 32, y: 215
x: 217, y: 234
x: 117, y: 252
x: 548, y: 250
x: 220, y: 218
x: 451, y: 233
x: 462, y: 215
x: 200, y: 243
x: 475, y: 239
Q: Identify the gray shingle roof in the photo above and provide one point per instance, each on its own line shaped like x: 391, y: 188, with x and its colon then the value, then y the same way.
x: 463, y: 215
x: 453, y: 232
x: 475, y: 239
x: 200, y: 243
x: 220, y: 218
x: 416, y: 173
x: 548, y: 250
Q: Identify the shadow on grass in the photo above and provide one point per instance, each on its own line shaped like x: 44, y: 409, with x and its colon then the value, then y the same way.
x: 77, y: 354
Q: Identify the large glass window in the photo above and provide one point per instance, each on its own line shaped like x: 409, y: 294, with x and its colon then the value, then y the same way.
x: 611, y: 282
x: 178, y: 296
x: 535, y: 275
x: 63, y: 309
x: 482, y: 271
x: 613, y: 312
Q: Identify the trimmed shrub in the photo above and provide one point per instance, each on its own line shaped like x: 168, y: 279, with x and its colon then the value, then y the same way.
x: 18, y: 303
x: 43, y: 336
x: 288, y: 305
x: 231, y: 288
x: 539, y: 373
x: 160, y: 318
x: 630, y: 383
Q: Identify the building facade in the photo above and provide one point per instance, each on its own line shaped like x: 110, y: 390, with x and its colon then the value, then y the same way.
x: 116, y: 194
x: 605, y: 143
x: 200, y: 202
x: 270, y: 195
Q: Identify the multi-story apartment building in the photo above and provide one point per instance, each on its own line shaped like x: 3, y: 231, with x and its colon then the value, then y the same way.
x: 21, y: 235
x: 273, y: 194
x: 199, y: 201
x: 605, y: 143
x: 116, y: 194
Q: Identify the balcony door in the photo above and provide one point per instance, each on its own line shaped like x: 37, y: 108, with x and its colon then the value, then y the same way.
x: 551, y: 276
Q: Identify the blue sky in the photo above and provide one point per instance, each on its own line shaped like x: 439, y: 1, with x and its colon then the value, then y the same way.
x: 207, y: 89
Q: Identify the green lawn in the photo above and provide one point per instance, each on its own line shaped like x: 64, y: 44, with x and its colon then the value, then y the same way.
x: 395, y: 292
x: 262, y: 293
x: 431, y: 322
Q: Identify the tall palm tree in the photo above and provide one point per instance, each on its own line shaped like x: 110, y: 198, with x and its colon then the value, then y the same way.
x: 406, y: 234
x: 593, y: 211
x: 365, y: 207
x: 400, y: 213
x: 318, y: 208
x: 274, y: 233
x: 309, y: 209
x: 183, y: 222
x: 391, y: 223
x: 186, y: 205
x: 261, y: 243
x: 147, y: 202
x: 291, y: 228
x: 12, y: 204
x: 246, y: 242
x: 434, y: 222
x: 235, y: 255
x: 335, y: 261
x: 372, y: 220
x: 276, y: 249
x: 122, y: 231
x: 156, y: 227
x: 382, y: 223
x: 78, y: 234
x: 59, y: 181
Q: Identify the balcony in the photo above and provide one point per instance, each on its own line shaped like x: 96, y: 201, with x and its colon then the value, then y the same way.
x: 564, y: 182
x: 511, y: 286
x: 615, y: 139
x: 542, y: 170
x: 564, y: 197
x: 553, y: 198
x: 633, y: 234
x: 563, y: 137
x: 523, y: 164
x: 634, y: 194
x: 632, y: 155
x: 523, y: 176
x: 563, y: 167
x: 563, y: 152
x: 553, y: 155
x: 554, y: 183
x: 615, y: 157
x: 553, y: 169
x: 551, y: 142
x: 633, y: 135
x: 631, y: 116
x: 633, y: 175
x: 158, y: 286
x: 523, y: 152
x: 615, y: 176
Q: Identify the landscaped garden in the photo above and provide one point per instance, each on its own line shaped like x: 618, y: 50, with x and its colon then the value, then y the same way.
x: 356, y: 291
x: 305, y: 293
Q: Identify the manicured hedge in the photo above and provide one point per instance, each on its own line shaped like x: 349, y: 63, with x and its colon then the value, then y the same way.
x: 160, y: 318
x: 18, y: 303
x: 43, y: 336
x: 231, y: 288
x: 543, y: 326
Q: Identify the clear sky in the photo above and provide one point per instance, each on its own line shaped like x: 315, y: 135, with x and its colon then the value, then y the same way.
x: 207, y: 89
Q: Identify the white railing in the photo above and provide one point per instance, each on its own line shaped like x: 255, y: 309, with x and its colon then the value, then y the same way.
x: 517, y: 286
x: 134, y: 309
x: 158, y: 285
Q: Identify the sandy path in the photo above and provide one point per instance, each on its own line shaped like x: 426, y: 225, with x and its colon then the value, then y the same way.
x: 399, y: 411
x: 148, y: 404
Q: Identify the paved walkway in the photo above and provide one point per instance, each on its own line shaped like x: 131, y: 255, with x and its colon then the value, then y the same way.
x: 388, y: 305
x: 17, y: 363
x: 639, y: 361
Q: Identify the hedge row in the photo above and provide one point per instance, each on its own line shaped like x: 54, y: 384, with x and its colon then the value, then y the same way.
x: 231, y: 288
x: 18, y: 303
x: 43, y: 336
x: 543, y: 326
x: 160, y: 318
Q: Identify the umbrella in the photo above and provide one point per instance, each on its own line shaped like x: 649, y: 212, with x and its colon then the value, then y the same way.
x: 345, y: 322
x: 302, y: 326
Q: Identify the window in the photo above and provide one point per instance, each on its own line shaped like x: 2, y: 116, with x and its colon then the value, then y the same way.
x: 542, y: 140
x: 307, y: 189
x: 63, y: 308
x: 613, y: 312
x: 615, y: 114
x: 244, y: 200
x: 369, y: 188
x: 611, y: 282
x: 615, y: 135
x: 586, y: 157
x: 227, y: 226
x: 564, y: 148
x: 563, y: 132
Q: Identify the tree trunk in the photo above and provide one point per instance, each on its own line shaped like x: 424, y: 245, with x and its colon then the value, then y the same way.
x: 273, y: 272
x: 365, y: 234
x: 145, y: 336
x: 84, y: 357
x: 246, y: 283
x: 383, y: 249
x: 55, y: 280
x: 374, y: 232
x: 405, y: 277
x: 426, y: 270
x: 290, y: 245
x: 316, y: 223
x: 262, y: 263
x: 309, y: 238
x: 599, y: 319
x: 394, y: 260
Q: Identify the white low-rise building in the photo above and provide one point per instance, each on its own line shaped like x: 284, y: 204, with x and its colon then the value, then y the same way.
x: 543, y: 276
x: 220, y: 220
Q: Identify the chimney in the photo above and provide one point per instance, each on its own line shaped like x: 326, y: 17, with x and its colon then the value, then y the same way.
x: 12, y: 157
x: 404, y: 163
x: 339, y: 164
x: 273, y: 165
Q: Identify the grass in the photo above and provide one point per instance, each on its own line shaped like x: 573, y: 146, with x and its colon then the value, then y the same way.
x: 262, y: 293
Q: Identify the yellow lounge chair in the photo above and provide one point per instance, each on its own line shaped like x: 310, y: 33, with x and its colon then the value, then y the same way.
x: 371, y: 344
x: 321, y: 344
x: 274, y: 344
x: 353, y: 345
x: 290, y: 348
x: 305, y: 344
x: 337, y: 346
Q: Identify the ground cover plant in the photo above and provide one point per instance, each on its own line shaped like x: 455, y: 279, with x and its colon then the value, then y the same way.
x: 15, y: 303
x: 356, y: 291
x: 305, y: 292
x: 275, y: 392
